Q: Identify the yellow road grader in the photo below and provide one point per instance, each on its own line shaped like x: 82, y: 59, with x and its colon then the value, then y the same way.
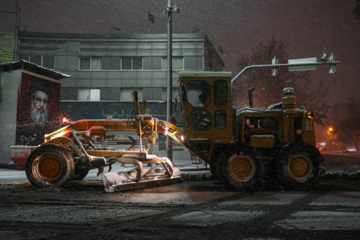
x: 245, y: 149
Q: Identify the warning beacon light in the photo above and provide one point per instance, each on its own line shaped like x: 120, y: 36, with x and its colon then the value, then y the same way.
x: 65, y: 120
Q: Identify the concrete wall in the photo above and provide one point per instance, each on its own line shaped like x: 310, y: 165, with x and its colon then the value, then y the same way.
x: 10, y: 83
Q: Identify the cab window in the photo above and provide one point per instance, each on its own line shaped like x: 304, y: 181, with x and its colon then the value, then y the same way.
x: 200, y: 120
x: 220, y: 93
x: 198, y: 93
x: 220, y: 119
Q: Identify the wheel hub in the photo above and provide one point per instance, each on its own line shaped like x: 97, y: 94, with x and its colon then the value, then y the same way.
x: 50, y: 168
x: 242, y: 168
x: 299, y: 166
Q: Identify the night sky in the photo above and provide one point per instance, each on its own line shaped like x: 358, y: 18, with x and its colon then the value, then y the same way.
x: 309, y: 26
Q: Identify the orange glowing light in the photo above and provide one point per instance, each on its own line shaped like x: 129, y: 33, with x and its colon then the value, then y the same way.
x: 65, y: 120
x: 331, y: 129
x: 310, y: 115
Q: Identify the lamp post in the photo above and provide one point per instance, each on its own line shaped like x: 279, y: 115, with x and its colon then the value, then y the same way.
x: 169, y: 10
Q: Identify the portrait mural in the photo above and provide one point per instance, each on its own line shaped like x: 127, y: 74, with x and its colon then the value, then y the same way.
x: 38, y: 109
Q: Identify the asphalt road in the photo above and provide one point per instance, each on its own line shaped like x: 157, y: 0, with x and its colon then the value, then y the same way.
x: 187, y: 210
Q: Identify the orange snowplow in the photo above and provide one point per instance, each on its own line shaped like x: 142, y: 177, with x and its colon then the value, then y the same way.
x: 69, y: 153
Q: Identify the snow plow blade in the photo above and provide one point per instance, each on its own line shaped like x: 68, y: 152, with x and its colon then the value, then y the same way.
x: 159, y: 171
x: 120, y: 181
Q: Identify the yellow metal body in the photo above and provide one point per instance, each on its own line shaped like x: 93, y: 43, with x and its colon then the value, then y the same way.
x: 144, y: 125
x: 212, y: 125
x: 213, y: 130
x: 208, y: 111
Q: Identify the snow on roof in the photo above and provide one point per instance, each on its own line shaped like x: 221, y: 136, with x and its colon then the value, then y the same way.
x: 23, y: 64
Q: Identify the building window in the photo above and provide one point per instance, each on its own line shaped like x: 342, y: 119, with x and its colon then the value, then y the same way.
x: 154, y: 94
x: 126, y: 63
x: 110, y: 63
x: 45, y: 61
x: 86, y: 94
x: 177, y: 63
x: 152, y: 63
x: 48, y: 62
x: 131, y: 63
x: 90, y: 63
x: 126, y: 94
x: 36, y: 59
x: 137, y: 63
x: 175, y: 94
x: 110, y: 94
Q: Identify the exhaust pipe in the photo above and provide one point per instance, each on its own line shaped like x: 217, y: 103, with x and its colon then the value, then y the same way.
x: 250, y: 96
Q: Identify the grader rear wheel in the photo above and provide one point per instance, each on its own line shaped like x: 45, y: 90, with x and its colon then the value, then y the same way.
x: 215, y: 165
x: 49, y: 165
x: 242, y: 167
x: 298, y: 166
x: 242, y: 171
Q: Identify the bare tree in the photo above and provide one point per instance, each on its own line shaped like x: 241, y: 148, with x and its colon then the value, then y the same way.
x: 268, y: 89
x: 348, y: 129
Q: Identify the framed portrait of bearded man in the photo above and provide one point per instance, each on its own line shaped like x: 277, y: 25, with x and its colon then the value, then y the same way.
x: 38, y: 108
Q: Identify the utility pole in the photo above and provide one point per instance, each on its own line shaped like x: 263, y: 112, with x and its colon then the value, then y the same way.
x: 169, y: 10
x: 17, y: 30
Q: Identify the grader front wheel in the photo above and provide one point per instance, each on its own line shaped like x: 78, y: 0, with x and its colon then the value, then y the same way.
x: 49, y: 165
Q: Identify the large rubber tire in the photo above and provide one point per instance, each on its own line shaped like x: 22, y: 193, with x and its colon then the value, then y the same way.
x: 213, y: 170
x: 298, y: 166
x: 49, y: 165
x: 243, y: 171
x: 216, y: 160
x: 216, y: 172
x: 214, y: 165
x: 79, y: 174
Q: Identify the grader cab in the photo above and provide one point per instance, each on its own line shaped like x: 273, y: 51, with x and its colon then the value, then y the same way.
x: 248, y: 148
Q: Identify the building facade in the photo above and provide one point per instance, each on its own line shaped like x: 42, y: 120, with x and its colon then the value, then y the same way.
x: 106, y: 69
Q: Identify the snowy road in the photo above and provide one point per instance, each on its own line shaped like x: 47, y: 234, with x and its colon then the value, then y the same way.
x: 189, y: 210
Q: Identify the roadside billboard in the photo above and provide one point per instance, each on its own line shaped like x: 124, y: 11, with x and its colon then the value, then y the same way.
x: 38, y: 108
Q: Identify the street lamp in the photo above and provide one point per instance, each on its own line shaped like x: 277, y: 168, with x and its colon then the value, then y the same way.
x: 330, y: 132
x: 169, y: 10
